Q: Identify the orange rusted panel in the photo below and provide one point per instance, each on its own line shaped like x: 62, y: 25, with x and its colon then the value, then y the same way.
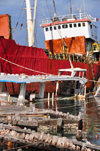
x: 74, y: 45
x: 5, y: 26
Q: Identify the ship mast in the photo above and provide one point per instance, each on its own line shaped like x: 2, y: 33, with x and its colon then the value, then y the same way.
x: 55, y: 14
x: 30, y: 23
x: 71, y: 16
x: 34, y: 21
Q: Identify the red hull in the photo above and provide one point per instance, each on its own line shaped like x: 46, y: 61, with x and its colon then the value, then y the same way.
x: 36, y: 59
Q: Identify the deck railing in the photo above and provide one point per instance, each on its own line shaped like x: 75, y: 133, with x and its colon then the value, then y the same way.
x: 69, y: 17
x: 76, y: 58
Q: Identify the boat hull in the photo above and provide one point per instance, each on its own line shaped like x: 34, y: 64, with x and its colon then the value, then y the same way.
x: 14, y: 59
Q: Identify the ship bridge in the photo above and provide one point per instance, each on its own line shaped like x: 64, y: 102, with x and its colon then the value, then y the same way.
x: 77, y: 32
x: 70, y: 26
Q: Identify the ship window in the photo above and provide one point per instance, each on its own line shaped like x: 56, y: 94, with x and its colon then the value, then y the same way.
x: 46, y: 29
x: 54, y: 27
x: 50, y: 28
x: 65, y: 26
x: 75, y: 25
x: 83, y: 24
x: 91, y: 26
x: 70, y: 25
x: 59, y: 27
x: 79, y: 24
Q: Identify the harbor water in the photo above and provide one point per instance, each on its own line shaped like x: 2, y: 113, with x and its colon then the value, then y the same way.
x: 90, y: 111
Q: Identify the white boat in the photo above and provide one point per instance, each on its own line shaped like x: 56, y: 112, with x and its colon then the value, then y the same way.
x: 76, y: 85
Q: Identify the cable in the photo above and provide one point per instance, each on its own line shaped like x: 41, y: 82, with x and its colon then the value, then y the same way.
x: 48, y: 9
x: 23, y: 66
x: 18, y: 18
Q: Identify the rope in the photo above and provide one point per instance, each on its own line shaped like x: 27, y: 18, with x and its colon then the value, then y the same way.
x: 48, y: 10
x: 23, y: 66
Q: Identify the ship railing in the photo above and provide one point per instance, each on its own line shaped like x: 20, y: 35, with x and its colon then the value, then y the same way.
x: 69, y: 17
x: 75, y: 58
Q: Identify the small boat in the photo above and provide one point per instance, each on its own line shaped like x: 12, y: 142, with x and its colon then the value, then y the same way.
x: 76, y: 85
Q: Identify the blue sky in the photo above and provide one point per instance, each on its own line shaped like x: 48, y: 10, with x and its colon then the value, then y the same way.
x: 44, y: 10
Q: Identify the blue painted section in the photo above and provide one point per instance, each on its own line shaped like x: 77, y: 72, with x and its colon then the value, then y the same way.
x: 12, y: 81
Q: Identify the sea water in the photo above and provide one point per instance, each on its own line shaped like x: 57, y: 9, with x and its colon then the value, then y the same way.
x: 90, y: 109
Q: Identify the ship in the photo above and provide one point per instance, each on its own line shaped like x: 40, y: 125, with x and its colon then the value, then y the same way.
x: 70, y: 41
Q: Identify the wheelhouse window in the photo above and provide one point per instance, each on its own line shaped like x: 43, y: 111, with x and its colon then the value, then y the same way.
x: 51, y: 28
x: 46, y: 29
x: 65, y: 26
x: 70, y: 25
x: 79, y: 24
x: 59, y: 27
x: 83, y: 24
x: 55, y: 28
x: 91, y: 26
x: 75, y: 25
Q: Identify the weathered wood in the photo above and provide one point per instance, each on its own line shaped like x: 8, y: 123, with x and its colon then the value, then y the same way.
x: 86, y: 144
x: 34, y: 118
x: 32, y: 138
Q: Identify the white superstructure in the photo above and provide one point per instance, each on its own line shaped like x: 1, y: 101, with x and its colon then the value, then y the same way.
x: 70, y: 27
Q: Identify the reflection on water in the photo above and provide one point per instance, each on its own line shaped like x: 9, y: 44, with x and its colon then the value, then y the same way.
x: 91, y: 116
x: 90, y: 109
x: 92, y: 119
x: 71, y: 106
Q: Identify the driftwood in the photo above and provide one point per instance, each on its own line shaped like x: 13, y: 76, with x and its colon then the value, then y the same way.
x: 44, y: 141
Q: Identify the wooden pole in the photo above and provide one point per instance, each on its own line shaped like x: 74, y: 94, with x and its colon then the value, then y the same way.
x: 53, y: 99
x: 48, y: 100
